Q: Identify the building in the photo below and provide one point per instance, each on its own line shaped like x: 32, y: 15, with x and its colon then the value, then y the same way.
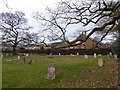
x: 89, y: 44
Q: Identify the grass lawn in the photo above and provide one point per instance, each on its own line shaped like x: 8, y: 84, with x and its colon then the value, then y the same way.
x: 71, y: 72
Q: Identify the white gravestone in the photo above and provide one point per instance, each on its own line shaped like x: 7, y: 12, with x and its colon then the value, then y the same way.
x: 27, y: 54
x: 51, y: 72
x: 100, y: 62
x: 110, y: 54
x: 59, y: 54
x: 115, y: 57
x: 86, y: 56
x: 18, y: 57
x: 95, y: 55
x: 77, y: 53
x: 1, y: 56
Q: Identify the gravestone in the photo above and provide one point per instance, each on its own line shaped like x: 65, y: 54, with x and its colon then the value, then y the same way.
x: 77, y: 53
x: 100, y: 61
x: 18, y: 57
x: 1, y: 56
x: 51, y: 72
x: 50, y: 55
x: 86, y: 56
x: 115, y: 57
x: 95, y: 55
x: 99, y: 55
x: 59, y: 54
x: 7, y: 54
x: 30, y: 61
x: 24, y: 60
x: 110, y: 54
x: 27, y: 54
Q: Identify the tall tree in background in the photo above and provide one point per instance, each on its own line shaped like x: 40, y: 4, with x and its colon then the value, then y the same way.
x: 60, y: 19
x: 30, y: 38
x: 12, y: 26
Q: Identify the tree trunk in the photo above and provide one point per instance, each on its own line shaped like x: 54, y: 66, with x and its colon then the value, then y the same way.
x: 14, y: 48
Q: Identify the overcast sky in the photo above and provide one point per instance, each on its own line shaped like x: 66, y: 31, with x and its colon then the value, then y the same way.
x: 28, y: 7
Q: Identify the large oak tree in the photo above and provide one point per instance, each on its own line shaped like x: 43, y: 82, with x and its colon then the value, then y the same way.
x: 13, y: 26
x: 59, y: 20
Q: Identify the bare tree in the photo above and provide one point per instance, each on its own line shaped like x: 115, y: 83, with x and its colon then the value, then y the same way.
x: 12, y: 26
x: 76, y: 13
x: 30, y: 38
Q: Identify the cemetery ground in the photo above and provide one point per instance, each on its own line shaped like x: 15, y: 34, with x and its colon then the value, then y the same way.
x: 71, y: 72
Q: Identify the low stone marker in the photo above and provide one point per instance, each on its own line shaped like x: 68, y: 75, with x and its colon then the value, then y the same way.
x: 51, y: 72
x: 59, y: 54
x: 86, y: 56
x: 24, y: 61
x: 72, y: 55
x: 27, y: 54
x: 99, y: 55
x: 100, y: 61
x: 115, y: 57
x: 18, y: 58
x: 30, y: 61
x: 77, y: 53
x: 110, y: 54
x: 7, y: 54
x: 1, y: 56
x: 95, y: 55
x: 50, y: 55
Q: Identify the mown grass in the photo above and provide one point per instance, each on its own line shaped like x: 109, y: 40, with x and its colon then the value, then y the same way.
x: 71, y: 72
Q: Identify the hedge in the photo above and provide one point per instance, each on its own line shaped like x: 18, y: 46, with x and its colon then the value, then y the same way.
x: 67, y: 51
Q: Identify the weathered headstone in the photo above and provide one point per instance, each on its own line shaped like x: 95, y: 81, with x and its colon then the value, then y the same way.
x: 50, y: 55
x: 30, y: 62
x: 51, y: 72
x: 115, y: 57
x: 24, y: 60
x: 77, y: 53
x: 86, y: 56
x: 18, y: 57
x: 99, y: 55
x: 100, y: 61
x: 95, y: 55
x: 27, y: 54
x: 1, y: 56
x: 110, y: 54
x: 7, y: 54
x: 59, y: 54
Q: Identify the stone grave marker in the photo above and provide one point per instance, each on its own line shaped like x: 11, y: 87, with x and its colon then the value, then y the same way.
x: 95, y: 55
x: 99, y: 55
x: 110, y: 54
x: 50, y: 55
x: 1, y: 56
x: 86, y: 56
x: 7, y: 54
x: 24, y: 61
x: 77, y: 53
x: 27, y: 54
x: 59, y: 54
x: 51, y: 72
x: 100, y: 61
x: 18, y: 58
x: 30, y: 61
x: 115, y: 57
